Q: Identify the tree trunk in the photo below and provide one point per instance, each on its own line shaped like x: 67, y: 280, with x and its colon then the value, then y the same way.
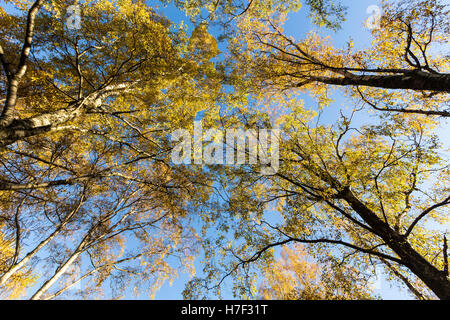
x: 16, y: 267
x: 415, y: 80
x: 61, y: 270
x: 21, y: 129
x: 27, y: 258
x: 434, y: 278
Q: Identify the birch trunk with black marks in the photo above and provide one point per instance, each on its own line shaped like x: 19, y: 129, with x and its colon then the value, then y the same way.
x: 415, y: 80
x: 434, y: 278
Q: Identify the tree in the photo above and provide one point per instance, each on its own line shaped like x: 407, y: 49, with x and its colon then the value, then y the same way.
x: 296, y: 276
x: 85, y: 169
x: 360, y: 195
x: 88, y: 192
x: 83, y: 134
x: 396, y: 160
x: 18, y: 284
x: 405, y: 70
x: 370, y: 192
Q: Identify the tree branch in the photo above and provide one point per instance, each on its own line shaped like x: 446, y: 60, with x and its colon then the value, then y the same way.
x: 14, y: 80
x: 424, y: 213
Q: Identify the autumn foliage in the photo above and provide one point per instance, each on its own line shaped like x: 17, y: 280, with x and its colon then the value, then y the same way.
x: 92, y: 206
